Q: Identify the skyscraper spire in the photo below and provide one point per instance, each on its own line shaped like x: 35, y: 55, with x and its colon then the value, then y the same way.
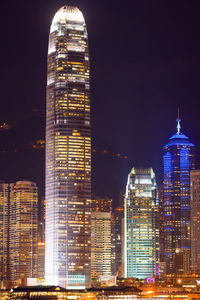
x: 178, y: 123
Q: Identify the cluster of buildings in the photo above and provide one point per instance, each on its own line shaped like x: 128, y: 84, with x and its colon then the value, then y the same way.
x: 73, y: 240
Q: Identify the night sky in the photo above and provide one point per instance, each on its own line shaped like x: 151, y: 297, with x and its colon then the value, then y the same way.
x: 145, y: 63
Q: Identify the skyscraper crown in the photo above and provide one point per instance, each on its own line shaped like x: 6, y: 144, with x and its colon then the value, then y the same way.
x: 67, y: 14
x: 178, y: 138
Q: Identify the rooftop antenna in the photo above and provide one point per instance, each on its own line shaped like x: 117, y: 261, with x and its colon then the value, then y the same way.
x: 178, y: 123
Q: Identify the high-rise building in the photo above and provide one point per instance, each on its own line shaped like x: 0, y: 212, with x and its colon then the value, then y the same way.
x: 4, y: 230
x: 195, y: 219
x: 178, y: 159
x: 101, y: 239
x: 140, y: 232
x: 116, y: 236
x: 19, y: 230
x: 100, y: 245
x: 161, y: 221
x: 68, y: 152
x: 23, y: 225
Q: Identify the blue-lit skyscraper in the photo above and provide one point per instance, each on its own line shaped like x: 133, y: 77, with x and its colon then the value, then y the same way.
x: 140, y: 226
x: 178, y: 159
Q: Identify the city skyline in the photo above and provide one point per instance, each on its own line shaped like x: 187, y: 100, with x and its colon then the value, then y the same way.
x: 67, y: 219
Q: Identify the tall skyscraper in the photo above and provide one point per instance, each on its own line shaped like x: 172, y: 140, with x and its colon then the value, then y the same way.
x: 140, y: 232
x: 178, y: 159
x: 4, y: 230
x: 23, y: 225
x: 68, y: 152
x: 195, y: 219
x: 101, y: 245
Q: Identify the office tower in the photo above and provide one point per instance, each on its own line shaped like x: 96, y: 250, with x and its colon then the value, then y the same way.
x: 178, y: 159
x: 103, y: 204
x: 161, y: 221
x: 195, y: 219
x: 140, y: 224
x: 23, y: 222
x: 68, y: 152
x: 100, y: 245
x: 116, y: 236
x: 4, y: 230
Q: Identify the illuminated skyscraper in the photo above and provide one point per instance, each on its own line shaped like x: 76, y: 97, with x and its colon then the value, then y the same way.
x: 4, y: 230
x: 178, y: 159
x: 195, y: 219
x: 140, y: 232
x: 19, y: 229
x: 68, y: 152
x: 23, y: 225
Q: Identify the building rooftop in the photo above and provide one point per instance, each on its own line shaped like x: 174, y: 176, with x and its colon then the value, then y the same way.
x: 178, y: 138
x: 41, y: 288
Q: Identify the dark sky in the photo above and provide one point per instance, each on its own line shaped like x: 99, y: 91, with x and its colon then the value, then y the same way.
x: 145, y: 63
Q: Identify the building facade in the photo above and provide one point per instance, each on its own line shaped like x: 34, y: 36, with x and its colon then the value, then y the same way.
x: 23, y: 234
x: 100, y: 245
x: 5, y: 189
x: 103, y: 204
x: 195, y: 219
x: 178, y: 160
x: 41, y: 238
x: 41, y: 259
x: 161, y: 221
x: 140, y: 232
x: 19, y: 230
x: 116, y: 236
x: 68, y: 152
